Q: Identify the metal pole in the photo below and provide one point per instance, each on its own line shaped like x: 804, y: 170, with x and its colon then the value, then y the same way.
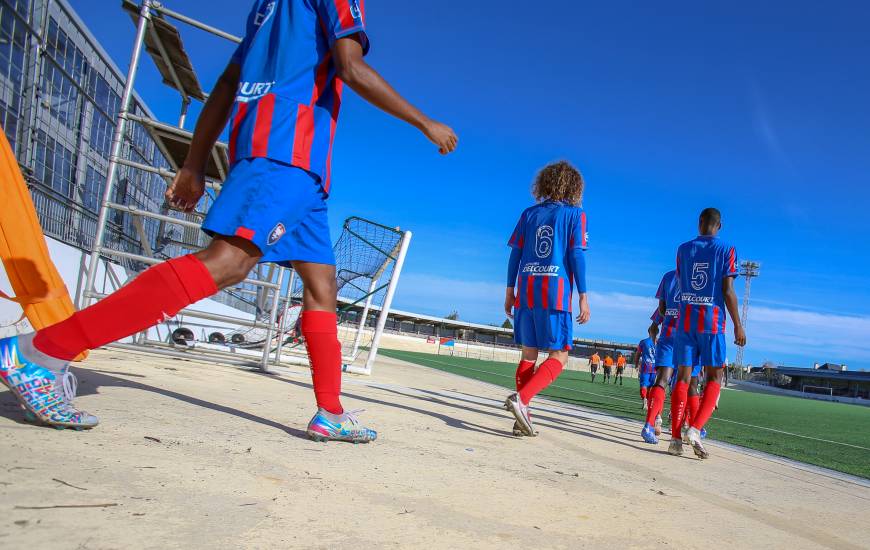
x: 273, y: 318
x: 287, y: 304
x: 185, y: 104
x: 117, y: 144
x: 362, y: 322
x: 388, y: 301
x: 194, y: 23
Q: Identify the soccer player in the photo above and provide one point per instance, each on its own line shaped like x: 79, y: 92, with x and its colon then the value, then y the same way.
x: 706, y: 268
x: 668, y: 295
x: 608, y: 368
x: 644, y: 358
x: 282, y: 92
x: 593, y: 365
x: 546, y: 263
x: 620, y: 368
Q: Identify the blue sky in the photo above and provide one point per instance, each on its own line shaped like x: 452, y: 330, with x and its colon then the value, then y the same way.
x: 757, y: 108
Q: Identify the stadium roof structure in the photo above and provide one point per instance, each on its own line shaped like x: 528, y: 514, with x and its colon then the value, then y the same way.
x: 423, y: 319
x: 846, y: 376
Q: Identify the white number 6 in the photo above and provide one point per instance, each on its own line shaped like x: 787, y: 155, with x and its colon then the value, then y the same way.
x: 544, y: 241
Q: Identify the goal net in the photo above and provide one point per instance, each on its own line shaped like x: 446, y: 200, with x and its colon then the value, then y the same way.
x: 368, y: 261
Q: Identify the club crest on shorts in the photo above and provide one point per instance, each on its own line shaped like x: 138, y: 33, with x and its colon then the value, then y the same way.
x: 276, y: 234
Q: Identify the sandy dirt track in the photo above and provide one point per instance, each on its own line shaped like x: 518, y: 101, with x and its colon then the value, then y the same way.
x: 194, y: 455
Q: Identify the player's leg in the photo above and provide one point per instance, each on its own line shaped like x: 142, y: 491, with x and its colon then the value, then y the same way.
x: 42, y: 380
x: 525, y: 370
x: 693, y: 402
x: 712, y: 353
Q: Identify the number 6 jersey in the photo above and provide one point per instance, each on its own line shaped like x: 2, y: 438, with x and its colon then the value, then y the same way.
x: 548, y: 233
x: 702, y: 265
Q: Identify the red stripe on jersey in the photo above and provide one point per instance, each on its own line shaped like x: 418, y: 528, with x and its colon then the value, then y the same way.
x: 583, y: 229
x: 530, y: 292
x: 731, y: 261
x: 560, y: 295
x: 241, y: 110
x: 687, y: 314
x: 545, y: 287
x: 338, y: 87
x: 321, y: 79
x: 344, y: 15
x: 263, y: 126
x: 702, y: 318
x: 715, y: 319
x: 303, y: 137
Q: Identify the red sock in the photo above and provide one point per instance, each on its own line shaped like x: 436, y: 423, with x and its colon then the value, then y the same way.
x: 525, y: 370
x: 643, y: 393
x: 708, y: 404
x: 324, y: 351
x: 678, y: 408
x: 694, y: 403
x: 656, y: 403
x: 156, y: 294
x: 543, y: 377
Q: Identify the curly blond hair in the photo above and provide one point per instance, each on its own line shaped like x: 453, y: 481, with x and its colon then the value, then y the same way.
x: 559, y: 182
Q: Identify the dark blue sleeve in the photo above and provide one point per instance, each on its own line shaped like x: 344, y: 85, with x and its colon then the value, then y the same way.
x: 514, y: 266
x: 577, y: 257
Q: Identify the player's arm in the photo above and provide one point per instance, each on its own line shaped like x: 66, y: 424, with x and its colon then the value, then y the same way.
x: 364, y: 80
x: 512, y: 272
x: 733, y: 310
x: 577, y: 264
x: 189, y: 184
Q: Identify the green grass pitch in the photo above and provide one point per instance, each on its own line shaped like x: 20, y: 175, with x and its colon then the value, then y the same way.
x: 749, y: 419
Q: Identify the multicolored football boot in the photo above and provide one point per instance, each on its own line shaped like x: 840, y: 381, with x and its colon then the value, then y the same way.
x: 694, y: 436
x: 36, y: 388
x: 521, y: 412
x: 648, y: 434
x: 326, y: 426
x: 658, y: 425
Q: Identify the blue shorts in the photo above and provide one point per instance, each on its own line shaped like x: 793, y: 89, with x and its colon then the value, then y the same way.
x: 278, y: 207
x: 665, y: 353
x: 647, y: 379
x: 704, y: 350
x: 543, y: 329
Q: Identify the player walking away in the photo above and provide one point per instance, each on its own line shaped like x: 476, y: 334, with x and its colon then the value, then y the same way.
x: 620, y: 368
x: 668, y: 295
x: 608, y: 368
x: 644, y: 358
x: 593, y: 365
x: 283, y: 88
x: 706, y: 268
x: 546, y: 263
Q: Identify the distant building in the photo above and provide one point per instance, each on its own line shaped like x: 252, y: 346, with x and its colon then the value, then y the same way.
x: 836, y: 381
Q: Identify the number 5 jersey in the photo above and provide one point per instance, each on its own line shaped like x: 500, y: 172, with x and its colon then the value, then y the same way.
x: 702, y: 265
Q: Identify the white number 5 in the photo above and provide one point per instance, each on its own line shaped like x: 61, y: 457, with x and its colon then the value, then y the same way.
x: 699, y: 276
x: 544, y: 241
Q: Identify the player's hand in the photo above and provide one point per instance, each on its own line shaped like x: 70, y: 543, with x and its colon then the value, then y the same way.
x: 441, y: 135
x: 186, y: 190
x: 739, y: 336
x: 584, y: 315
x: 509, y: 301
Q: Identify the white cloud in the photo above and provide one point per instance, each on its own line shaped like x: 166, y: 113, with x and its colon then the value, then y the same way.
x: 788, y: 335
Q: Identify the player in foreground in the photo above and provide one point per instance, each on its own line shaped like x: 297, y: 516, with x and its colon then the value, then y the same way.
x: 706, y: 268
x: 594, y: 361
x: 668, y: 295
x: 608, y: 368
x: 546, y: 262
x: 620, y: 368
x: 283, y: 88
x: 644, y: 358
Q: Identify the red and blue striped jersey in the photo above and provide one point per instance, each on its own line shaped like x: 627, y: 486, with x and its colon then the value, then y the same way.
x: 669, y: 291
x: 289, y: 97
x: 702, y: 265
x: 548, y: 233
x: 646, y: 353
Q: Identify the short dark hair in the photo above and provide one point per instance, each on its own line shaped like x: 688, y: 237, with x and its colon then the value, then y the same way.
x: 559, y: 182
x: 711, y: 217
x: 653, y: 328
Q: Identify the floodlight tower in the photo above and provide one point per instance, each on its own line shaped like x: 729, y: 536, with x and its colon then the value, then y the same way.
x: 749, y: 270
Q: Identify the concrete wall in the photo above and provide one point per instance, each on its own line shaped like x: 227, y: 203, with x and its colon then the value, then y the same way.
x: 754, y: 386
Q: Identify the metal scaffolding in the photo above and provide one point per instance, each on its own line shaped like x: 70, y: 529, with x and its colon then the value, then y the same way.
x: 749, y: 270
